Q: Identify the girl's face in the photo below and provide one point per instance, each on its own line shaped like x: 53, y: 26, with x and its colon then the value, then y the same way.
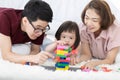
x: 92, y: 21
x: 68, y: 37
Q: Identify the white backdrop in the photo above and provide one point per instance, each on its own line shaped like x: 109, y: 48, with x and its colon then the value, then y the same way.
x: 63, y: 10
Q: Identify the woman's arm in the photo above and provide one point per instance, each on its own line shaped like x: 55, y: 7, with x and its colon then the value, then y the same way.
x: 85, y: 54
x: 111, y: 55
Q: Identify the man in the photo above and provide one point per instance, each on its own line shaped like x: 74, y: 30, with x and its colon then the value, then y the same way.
x: 21, y: 26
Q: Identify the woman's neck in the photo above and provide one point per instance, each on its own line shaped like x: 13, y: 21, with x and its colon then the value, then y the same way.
x: 97, y: 33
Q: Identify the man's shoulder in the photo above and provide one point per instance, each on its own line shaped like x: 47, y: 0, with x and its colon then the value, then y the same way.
x: 2, y: 10
x: 9, y: 10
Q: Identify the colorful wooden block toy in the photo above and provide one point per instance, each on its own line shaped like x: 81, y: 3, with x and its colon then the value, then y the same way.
x: 62, y: 60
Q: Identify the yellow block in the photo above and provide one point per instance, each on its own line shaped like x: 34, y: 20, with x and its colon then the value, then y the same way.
x: 62, y: 52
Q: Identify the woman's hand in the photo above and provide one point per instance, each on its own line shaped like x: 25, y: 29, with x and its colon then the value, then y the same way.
x: 91, y: 65
x: 74, y: 60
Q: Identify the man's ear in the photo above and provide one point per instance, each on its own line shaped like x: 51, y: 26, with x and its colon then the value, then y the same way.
x: 25, y: 20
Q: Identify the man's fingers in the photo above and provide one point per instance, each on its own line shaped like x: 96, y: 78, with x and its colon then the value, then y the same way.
x: 49, y: 55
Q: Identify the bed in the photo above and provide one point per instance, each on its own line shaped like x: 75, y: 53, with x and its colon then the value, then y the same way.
x: 12, y: 71
x: 68, y: 10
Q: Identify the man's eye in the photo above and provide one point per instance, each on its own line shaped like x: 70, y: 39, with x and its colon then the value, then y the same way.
x: 37, y: 28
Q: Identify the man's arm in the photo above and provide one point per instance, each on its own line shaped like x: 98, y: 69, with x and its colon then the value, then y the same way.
x: 6, y: 50
x: 35, y: 49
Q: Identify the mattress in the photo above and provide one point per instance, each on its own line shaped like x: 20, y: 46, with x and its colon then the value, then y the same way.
x: 12, y: 71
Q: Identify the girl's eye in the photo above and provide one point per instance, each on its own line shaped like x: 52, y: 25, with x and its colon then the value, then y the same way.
x: 63, y: 36
x: 71, y: 38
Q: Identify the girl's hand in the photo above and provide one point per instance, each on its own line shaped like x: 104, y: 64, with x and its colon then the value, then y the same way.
x: 61, y: 43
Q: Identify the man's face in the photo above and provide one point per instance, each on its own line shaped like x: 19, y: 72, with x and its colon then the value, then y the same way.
x: 36, y: 28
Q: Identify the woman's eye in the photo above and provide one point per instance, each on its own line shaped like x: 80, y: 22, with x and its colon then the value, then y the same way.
x: 86, y: 18
x: 95, y: 21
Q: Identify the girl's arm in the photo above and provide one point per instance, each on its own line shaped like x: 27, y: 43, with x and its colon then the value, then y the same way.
x: 51, y: 47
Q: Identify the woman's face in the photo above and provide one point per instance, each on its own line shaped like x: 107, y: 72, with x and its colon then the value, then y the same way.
x: 92, y: 20
x: 68, y: 37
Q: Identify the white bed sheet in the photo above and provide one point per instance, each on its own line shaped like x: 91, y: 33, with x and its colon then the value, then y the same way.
x: 68, y: 10
x: 11, y: 71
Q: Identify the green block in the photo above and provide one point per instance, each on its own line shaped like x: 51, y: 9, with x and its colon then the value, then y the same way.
x: 62, y: 56
x: 59, y: 64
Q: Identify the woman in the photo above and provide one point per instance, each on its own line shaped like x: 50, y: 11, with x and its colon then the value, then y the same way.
x: 100, y: 35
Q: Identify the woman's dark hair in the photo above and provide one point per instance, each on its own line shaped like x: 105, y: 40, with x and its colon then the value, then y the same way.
x: 103, y: 10
x: 38, y: 9
x: 69, y: 26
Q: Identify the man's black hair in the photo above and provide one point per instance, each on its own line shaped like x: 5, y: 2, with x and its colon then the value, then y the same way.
x: 38, y: 9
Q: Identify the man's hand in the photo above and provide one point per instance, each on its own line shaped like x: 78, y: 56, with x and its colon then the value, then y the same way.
x: 41, y: 57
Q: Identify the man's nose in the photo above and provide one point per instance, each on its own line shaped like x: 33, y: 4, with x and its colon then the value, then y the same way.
x: 38, y: 34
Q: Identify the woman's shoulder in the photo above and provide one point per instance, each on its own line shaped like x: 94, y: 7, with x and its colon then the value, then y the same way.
x: 82, y: 27
x: 116, y: 24
x: 114, y: 28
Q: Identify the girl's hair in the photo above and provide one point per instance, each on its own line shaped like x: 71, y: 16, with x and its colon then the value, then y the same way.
x: 103, y: 10
x: 69, y: 26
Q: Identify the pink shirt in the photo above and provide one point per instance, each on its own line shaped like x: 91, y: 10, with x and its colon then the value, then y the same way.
x: 107, y: 40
